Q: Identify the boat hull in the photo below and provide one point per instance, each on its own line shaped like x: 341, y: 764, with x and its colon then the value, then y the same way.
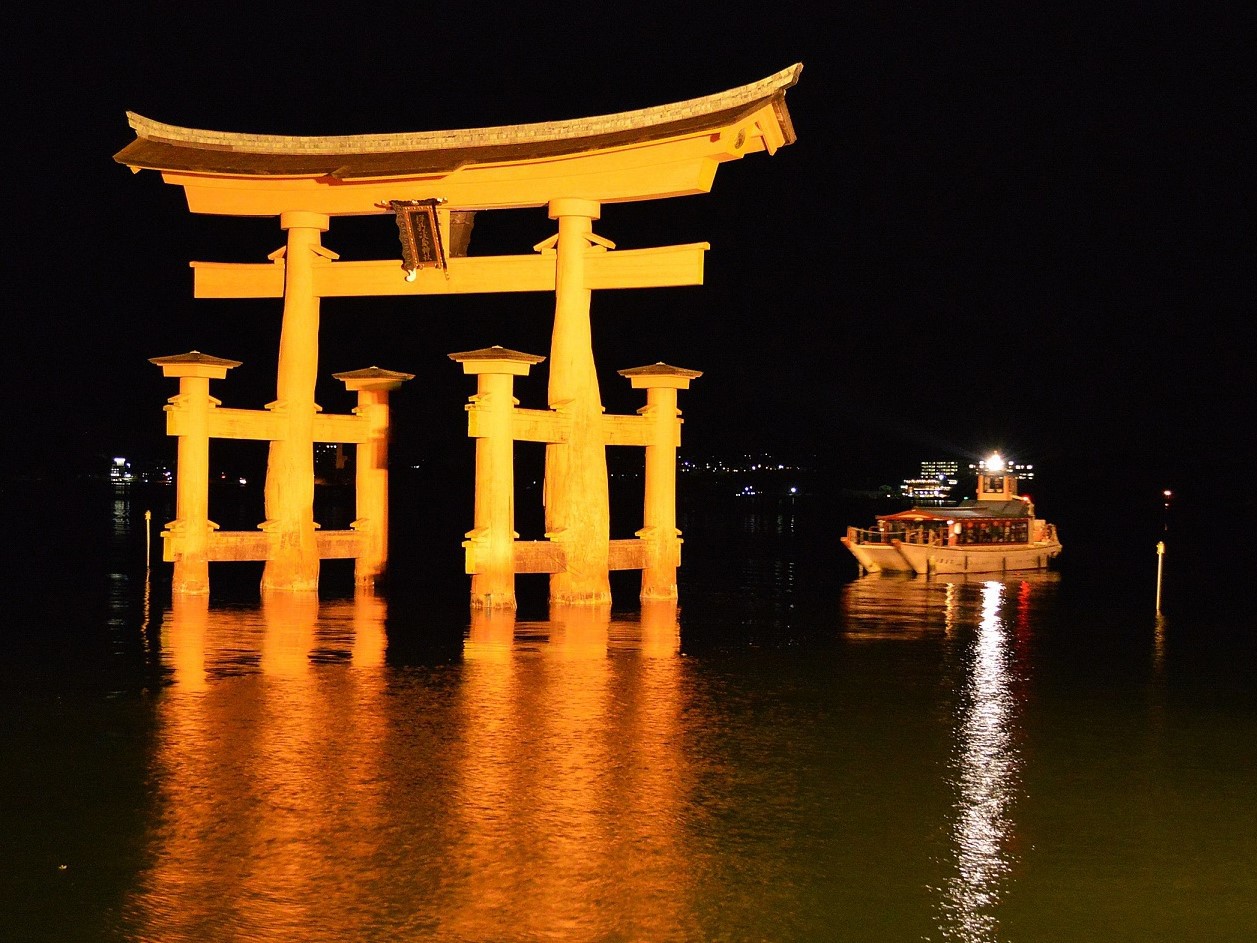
x: 878, y: 558
x: 993, y: 558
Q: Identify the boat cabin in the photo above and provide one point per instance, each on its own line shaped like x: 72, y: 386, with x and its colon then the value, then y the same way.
x: 996, y: 480
x: 976, y: 522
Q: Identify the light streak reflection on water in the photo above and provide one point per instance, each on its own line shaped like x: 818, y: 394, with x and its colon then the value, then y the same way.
x: 985, y: 782
x: 966, y: 615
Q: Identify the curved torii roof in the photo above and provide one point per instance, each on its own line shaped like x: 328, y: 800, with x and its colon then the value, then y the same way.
x: 511, y: 165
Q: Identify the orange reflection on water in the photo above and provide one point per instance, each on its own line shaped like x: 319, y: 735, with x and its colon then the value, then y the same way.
x: 661, y: 632
x: 306, y: 790
x: 568, y: 812
x: 183, y: 637
x: 259, y: 801
x: 287, y: 768
x: 370, y: 640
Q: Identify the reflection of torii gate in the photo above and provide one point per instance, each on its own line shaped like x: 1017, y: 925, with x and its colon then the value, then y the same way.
x: 433, y: 182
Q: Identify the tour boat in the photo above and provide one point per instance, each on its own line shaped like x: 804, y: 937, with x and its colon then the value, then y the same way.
x: 994, y: 532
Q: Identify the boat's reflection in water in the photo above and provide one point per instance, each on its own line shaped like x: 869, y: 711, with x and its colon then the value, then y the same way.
x: 897, y: 606
x: 906, y: 606
x: 979, y: 623
x: 307, y: 790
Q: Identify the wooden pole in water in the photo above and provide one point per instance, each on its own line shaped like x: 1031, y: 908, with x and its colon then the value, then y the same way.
x: 1160, y: 567
x: 1165, y: 529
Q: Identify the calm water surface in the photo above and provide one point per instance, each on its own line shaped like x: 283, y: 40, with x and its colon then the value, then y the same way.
x: 792, y: 754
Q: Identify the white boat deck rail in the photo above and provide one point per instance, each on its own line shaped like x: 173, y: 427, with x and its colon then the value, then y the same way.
x: 915, y: 535
x: 932, y: 536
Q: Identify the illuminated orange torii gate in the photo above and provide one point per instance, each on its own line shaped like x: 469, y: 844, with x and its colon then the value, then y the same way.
x: 433, y: 182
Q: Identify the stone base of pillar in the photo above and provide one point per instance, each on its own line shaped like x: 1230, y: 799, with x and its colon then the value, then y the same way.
x: 288, y: 576
x: 661, y: 591
x: 488, y: 602
x: 368, y: 572
x: 191, y: 577
x: 592, y: 597
x: 292, y: 564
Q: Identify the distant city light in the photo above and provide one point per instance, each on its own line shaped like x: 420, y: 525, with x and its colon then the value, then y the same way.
x: 120, y: 471
x: 938, y: 478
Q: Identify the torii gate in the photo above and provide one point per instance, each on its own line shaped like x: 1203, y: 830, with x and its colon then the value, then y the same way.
x: 433, y: 182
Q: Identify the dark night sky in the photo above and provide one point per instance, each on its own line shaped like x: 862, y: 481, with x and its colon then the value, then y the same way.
x: 998, y: 226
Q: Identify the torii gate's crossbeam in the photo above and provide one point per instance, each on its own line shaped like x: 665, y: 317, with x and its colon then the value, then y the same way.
x: 659, y: 267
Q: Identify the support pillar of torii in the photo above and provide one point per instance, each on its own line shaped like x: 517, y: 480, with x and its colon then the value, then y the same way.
x: 576, y: 498
x: 659, y: 515
x: 572, y: 167
x: 293, y: 559
x: 490, y: 543
x: 373, y: 386
x: 192, y: 525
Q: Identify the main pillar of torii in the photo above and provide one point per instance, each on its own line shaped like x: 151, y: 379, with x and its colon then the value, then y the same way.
x: 433, y: 183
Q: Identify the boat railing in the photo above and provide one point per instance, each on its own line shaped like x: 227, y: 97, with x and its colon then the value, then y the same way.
x: 908, y: 535
x: 874, y: 535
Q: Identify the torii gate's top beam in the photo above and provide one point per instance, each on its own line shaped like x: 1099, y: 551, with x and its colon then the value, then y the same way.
x: 663, y: 151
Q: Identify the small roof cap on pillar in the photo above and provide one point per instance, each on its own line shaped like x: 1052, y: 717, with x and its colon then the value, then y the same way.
x: 660, y: 375
x: 496, y: 359
x: 372, y: 378
x: 194, y: 364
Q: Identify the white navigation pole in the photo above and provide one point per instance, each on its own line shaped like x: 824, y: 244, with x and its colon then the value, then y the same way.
x: 1165, y: 527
